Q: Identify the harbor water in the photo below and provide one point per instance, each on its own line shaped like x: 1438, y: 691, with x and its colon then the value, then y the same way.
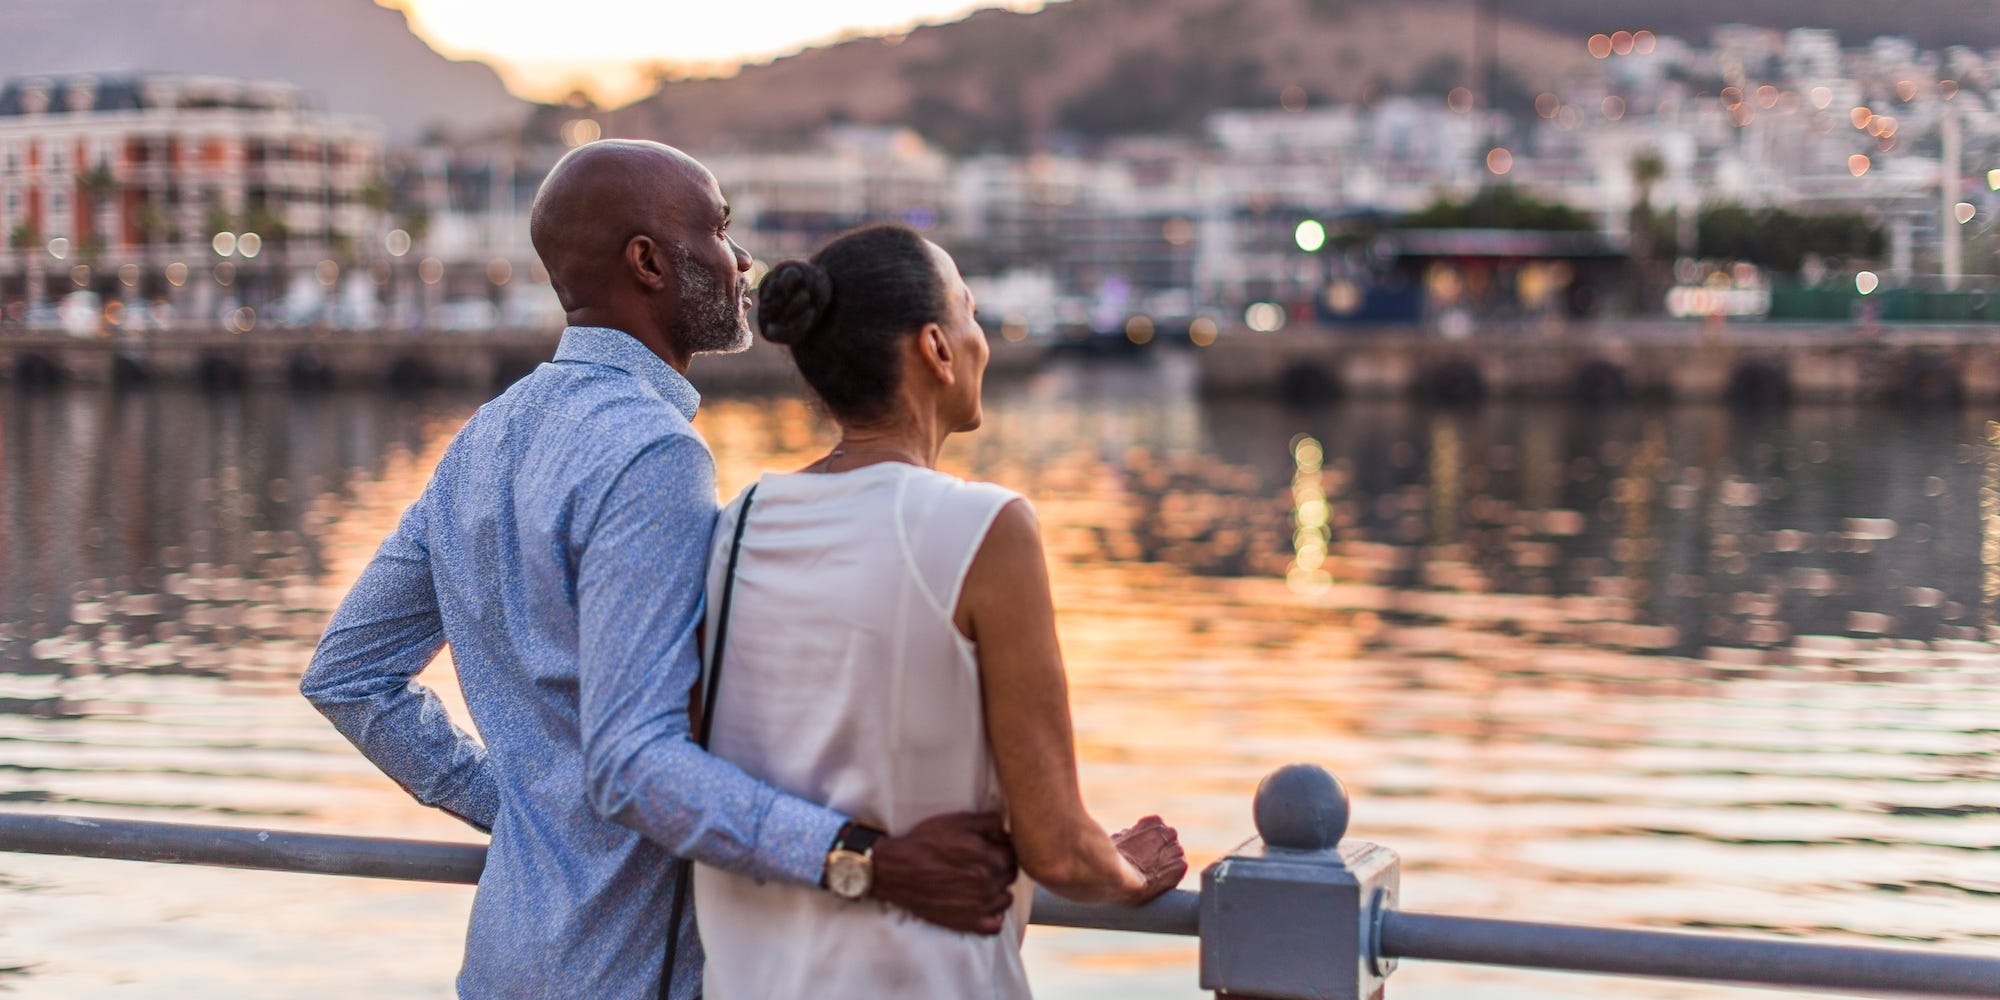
x: 1665, y: 667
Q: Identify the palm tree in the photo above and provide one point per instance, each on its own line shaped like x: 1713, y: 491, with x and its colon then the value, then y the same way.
x: 27, y: 241
x: 1647, y: 170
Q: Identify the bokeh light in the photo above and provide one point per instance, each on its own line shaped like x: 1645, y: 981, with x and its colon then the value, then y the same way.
x: 1202, y: 331
x: 1139, y: 330
x: 578, y: 131
x: 1310, y: 235
x: 1264, y: 317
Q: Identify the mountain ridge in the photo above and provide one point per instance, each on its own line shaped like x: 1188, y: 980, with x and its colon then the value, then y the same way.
x: 315, y: 44
x: 1005, y: 81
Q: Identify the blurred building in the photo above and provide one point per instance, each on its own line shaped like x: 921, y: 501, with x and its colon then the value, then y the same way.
x: 179, y: 198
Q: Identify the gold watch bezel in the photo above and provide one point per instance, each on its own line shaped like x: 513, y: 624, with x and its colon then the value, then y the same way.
x: 850, y: 874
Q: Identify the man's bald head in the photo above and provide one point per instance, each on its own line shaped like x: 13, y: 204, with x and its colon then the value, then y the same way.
x: 602, y: 195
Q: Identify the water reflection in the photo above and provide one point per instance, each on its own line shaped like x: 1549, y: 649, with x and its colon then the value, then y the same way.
x: 1674, y: 667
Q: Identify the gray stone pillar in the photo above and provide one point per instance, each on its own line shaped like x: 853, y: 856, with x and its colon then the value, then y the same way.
x: 1294, y: 914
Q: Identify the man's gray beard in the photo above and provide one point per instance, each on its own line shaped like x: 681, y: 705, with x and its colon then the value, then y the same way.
x: 710, y: 321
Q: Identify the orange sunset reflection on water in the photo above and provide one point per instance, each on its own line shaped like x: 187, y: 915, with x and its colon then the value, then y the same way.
x: 1667, y: 668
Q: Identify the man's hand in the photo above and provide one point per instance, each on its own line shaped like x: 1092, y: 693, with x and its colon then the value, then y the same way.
x: 955, y: 871
x: 1155, y: 849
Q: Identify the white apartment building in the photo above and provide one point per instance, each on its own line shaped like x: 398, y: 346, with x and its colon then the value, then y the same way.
x: 180, y: 195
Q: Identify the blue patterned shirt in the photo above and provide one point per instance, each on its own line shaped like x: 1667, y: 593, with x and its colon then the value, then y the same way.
x: 559, y: 550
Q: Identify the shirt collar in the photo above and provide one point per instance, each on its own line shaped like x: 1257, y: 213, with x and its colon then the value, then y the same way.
x: 599, y: 345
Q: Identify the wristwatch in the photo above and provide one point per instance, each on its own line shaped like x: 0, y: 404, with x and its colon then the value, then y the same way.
x: 850, y: 863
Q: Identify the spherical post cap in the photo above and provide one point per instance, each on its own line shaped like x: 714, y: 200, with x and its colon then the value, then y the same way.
x: 1301, y: 807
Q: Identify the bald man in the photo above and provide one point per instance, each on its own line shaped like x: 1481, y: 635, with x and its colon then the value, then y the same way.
x: 559, y: 549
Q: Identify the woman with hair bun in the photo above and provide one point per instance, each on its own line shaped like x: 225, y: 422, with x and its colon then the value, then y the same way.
x: 889, y: 649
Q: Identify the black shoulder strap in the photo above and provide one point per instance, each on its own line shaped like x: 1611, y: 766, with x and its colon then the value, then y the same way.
x: 713, y: 680
x: 711, y: 683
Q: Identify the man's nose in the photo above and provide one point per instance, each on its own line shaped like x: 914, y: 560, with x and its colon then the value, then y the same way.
x: 742, y: 255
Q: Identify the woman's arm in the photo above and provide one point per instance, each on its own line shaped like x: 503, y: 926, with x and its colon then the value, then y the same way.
x: 1006, y: 607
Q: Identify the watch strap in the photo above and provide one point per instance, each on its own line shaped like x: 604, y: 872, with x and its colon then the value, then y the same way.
x: 857, y: 837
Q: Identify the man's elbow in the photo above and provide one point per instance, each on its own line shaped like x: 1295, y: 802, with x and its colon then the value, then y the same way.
x: 316, y: 685
x: 604, y: 784
x: 329, y: 684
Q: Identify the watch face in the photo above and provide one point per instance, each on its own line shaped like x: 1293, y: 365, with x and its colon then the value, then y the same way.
x: 848, y: 874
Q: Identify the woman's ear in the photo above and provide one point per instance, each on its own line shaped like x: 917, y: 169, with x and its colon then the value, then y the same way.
x: 937, y: 352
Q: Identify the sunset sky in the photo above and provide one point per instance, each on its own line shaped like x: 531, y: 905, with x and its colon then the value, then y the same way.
x: 543, y: 50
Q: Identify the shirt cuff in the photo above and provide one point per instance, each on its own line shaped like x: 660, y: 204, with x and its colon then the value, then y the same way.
x: 800, y: 834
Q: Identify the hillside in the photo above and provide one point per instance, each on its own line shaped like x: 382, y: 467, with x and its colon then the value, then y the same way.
x: 352, y: 54
x: 999, y: 80
x: 1933, y: 24
x: 1004, y: 80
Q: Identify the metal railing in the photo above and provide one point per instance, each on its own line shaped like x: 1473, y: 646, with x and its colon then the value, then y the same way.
x: 1293, y: 914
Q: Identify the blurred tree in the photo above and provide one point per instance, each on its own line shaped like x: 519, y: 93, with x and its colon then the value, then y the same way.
x: 1651, y: 237
x: 375, y: 194
x: 267, y: 224
x: 1779, y: 240
x: 1438, y: 75
x: 151, y: 223
x: 1499, y: 207
x: 218, y: 220
x: 416, y: 222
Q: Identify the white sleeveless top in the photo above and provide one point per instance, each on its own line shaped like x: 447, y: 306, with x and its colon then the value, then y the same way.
x: 847, y: 683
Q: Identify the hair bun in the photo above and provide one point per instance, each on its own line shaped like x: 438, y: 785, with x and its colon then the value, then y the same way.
x: 792, y: 300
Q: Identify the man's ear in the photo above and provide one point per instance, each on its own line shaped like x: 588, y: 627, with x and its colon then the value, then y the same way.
x: 937, y: 353
x: 647, y: 260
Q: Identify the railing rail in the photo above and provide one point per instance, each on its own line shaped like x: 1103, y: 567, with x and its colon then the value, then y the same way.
x: 422, y: 861
x: 1673, y: 955
x: 1294, y: 914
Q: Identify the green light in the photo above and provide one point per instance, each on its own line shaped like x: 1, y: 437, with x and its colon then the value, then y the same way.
x: 1993, y: 179
x: 1310, y: 235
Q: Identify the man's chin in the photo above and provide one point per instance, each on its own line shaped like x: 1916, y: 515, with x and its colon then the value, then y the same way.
x: 738, y: 345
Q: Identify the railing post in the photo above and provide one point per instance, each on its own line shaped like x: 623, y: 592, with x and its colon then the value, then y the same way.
x: 1294, y: 914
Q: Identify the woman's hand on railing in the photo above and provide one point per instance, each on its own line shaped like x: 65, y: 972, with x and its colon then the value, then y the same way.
x: 1152, y: 849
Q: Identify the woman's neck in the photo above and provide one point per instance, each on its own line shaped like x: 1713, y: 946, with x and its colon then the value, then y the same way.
x: 899, y: 441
